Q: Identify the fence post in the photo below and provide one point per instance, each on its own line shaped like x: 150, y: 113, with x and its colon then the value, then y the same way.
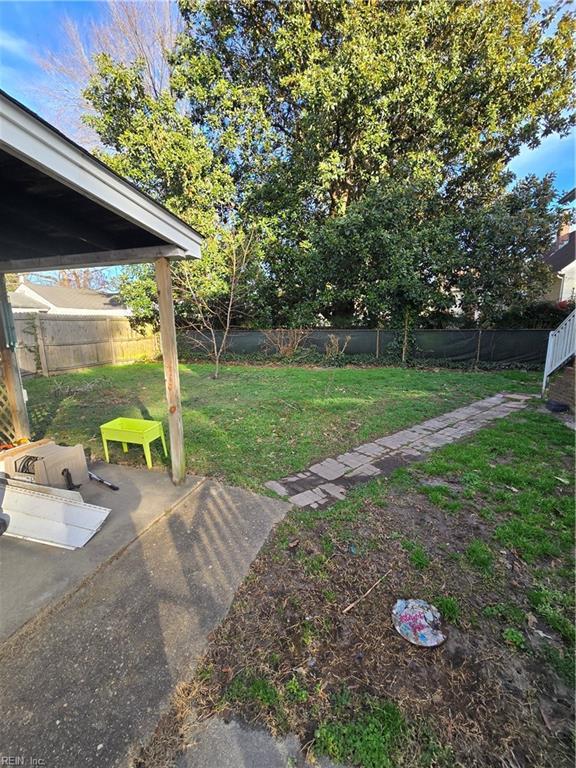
x: 40, y: 345
x: 477, y: 360
x: 111, y: 339
x: 377, y: 343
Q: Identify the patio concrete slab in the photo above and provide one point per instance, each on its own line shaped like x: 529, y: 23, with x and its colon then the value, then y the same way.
x: 34, y: 575
x: 220, y: 744
x: 87, y: 680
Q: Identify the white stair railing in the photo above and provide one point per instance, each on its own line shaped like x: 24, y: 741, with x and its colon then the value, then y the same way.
x: 561, y: 347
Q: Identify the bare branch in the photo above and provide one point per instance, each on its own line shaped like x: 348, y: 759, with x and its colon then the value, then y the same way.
x: 143, y: 31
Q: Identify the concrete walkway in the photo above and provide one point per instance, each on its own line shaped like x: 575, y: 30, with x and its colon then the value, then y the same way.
x: 217, y: 743
x: 84, y: 682
x: 329, y: 480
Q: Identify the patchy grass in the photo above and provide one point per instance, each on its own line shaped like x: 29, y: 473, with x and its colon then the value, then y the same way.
x: 479, y: 555
x: 418, y: 557
x: 371, y: 738
x: 449, y: 607
x: 515, y: 638
x: 289, y: 657
x: 257, y: 423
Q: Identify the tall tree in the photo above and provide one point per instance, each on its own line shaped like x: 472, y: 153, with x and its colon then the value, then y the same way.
x: 391, y: 257
x: 142, y: 31
x: 328, y: 97
x: 282, y: 114
x: 502, y: 246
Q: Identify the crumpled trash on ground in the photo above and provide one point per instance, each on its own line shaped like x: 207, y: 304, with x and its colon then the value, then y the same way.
x: 418, y: 622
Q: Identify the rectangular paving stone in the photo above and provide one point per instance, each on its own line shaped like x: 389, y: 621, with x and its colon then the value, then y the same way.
x: 420, y: 430
x: 412, y: 434
x: 367, y: 470
x: 410, y: 452
x: 329, y: 469
x: 307, y: 498
x: 421, y: 447
x: 353, y: 459
x: 390, y: 441
x: 436, y: 441
x: 465, y: 429
x: 276, y: 487
x: 370, y: 449
x: 450, y: 432
x: 337, y: 491
x: 434, y: 423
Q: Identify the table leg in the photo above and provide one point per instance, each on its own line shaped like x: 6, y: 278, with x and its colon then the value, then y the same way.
x: 163, y: 440
x: 147, y: 454
x: 125, y: 447
x: 105, y: 446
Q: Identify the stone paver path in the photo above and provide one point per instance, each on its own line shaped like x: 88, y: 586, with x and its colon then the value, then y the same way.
x: 329, y: 480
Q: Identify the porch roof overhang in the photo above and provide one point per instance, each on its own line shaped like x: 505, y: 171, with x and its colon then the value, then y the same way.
x: 61, y: 207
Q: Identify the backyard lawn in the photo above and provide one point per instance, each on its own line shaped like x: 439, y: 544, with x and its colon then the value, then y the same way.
x: 258, y: 423
x: 483, y: 529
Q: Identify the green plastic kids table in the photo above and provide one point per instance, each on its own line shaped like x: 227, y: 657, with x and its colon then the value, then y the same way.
x: 138, y: 431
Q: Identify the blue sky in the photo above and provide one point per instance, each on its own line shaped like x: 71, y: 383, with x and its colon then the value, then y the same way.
x: 29, y: 26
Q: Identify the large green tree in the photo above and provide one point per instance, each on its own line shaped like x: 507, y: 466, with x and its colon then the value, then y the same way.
x: 501, y: 250
x: 401, y: 254
x: 326, y: 97
x: 281, y: 115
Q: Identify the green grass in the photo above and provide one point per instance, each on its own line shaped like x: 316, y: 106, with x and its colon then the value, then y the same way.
x: 562, y: 662
x: 257, y: 690
x: 370, y: 738
x: 508, y: 612
x: 333, y: 690
x: 556, y: 607
x: 515, y: 638
x: 480, y: 556
x: 449, y: 608
x: 257, y: 423
x: 418, y: 556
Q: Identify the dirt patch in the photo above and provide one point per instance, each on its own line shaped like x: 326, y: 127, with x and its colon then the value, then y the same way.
x: 483, y: 530
x: 492, y: 704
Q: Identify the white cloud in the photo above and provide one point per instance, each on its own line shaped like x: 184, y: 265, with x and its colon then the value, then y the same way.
x: 14, y: 45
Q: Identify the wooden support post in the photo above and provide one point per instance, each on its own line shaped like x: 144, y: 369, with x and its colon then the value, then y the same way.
x: 171, y: 373
x: 10, y: 369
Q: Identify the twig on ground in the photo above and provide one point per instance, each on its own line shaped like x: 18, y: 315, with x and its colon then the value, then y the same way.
x: 349, y: 607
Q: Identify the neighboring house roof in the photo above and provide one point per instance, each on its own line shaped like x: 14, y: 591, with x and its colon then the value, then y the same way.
x: 65, y: 297
x: 569, y: 197
x: 23, y: 301
x: 66, y: 300
x: 560, y: 258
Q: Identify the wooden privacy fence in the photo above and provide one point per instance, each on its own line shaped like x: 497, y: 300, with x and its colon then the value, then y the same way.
x: 49, y: 344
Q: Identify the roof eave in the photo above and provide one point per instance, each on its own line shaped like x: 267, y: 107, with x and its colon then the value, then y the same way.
x: 37, y: 143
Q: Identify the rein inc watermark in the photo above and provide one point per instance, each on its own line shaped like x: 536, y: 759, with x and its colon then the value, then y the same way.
x: 19, y: 760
